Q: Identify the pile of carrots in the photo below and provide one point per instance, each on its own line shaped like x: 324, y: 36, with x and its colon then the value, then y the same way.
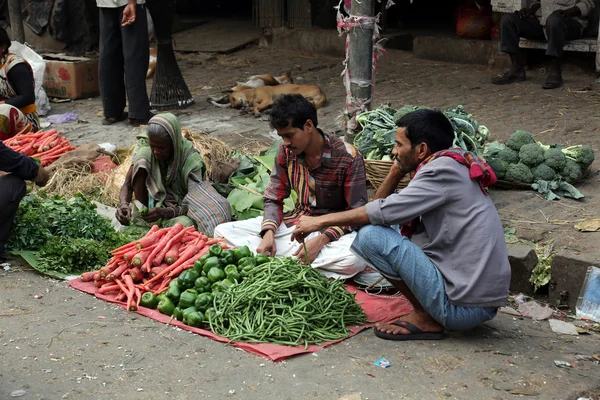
x: 47, y: 146
x: 150, y: 264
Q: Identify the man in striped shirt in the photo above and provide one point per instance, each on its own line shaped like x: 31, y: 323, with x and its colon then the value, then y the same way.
x: 554, y: 21
x: 327, y: 175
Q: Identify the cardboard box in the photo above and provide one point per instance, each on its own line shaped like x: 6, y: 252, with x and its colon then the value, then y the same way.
x: 69, y: 77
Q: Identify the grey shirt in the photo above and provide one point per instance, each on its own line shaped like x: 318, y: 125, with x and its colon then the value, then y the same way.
x: 460, y: 231
x: 547, y: 7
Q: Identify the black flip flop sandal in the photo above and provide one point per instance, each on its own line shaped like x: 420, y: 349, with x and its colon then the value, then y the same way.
x: 553, y: 82
x: 509, y: 78
x: 415, y: 333
x: 115, y: 120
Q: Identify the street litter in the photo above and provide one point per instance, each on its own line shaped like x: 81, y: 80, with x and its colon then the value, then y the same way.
x: 563, y: 364
x: 383, y: 363
x: 535, y: 311
x: 562, y: 328
x: 62, y: 118
x: 588, y: 305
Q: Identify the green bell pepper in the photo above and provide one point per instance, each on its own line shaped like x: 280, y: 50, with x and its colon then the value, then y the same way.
x: 246, y: 261
x: 232, y: 273
x: 188, y: 298
x: 149, y: 300
x: 215, y: 274
x: 215, y: 250
x: 195, y: 319
x: 173, y: 293
x: 210, y: 263
x: 262, y: 259
x: 245, y: 272
x: 203, y: 301
x: 161, y: 296
x: 166, y: 306
x: 241, y: 252
x: 208, y: 314
x: 178, y: 314
x: 228, y: 256
x: 202, y: 285
x: 187, y: 312
x: 187, y: 279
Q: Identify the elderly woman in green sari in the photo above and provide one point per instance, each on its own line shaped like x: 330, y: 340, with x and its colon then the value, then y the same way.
x: 167, y: 177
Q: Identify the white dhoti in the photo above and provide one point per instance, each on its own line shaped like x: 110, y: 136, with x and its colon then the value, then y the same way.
x: 335, y: 260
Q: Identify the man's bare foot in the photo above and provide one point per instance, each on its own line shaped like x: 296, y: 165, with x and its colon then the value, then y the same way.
x: 424, y: 322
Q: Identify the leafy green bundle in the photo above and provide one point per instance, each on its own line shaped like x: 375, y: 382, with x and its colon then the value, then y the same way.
x: 68, y: 233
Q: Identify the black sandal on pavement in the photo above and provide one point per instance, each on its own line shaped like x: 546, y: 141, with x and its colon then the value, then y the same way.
x: 553, y: 81
x: 114, y: 120
x: 510, y: 77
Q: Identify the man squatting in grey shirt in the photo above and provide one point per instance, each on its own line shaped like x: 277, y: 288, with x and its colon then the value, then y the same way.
x: 451, y: 260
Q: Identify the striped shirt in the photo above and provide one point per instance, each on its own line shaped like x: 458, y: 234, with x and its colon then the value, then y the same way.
x: 547, y: 7
x: 337, y: 183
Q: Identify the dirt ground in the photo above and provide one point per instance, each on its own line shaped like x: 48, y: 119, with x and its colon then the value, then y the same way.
x: 59, y: 347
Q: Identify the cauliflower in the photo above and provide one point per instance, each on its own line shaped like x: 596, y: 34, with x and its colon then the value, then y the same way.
x: 499, y: 167
x: 518, y: 139
x: 555, y: 158
x: 571, y: 171
x: 531, y: 154
x: 518, y: 173
x: 543, y: 173
x: 508, y: 155
x: 583, y: 155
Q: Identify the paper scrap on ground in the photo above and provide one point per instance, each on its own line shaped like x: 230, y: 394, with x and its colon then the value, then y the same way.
x: 590, y: 225
x: 535, y: 311
x: 562, y: 328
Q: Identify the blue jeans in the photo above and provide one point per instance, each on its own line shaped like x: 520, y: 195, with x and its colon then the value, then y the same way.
x: 396, y: 257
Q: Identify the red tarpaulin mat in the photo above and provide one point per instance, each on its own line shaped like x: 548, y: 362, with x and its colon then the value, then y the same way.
x: 377, y: 310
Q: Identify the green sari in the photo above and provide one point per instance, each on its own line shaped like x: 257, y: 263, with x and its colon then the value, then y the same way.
x: 168, y: 184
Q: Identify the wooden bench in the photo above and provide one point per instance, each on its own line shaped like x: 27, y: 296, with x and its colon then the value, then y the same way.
x: 585, y: 45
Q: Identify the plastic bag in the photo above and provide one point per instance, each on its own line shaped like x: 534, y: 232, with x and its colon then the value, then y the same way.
x: 38, y: 65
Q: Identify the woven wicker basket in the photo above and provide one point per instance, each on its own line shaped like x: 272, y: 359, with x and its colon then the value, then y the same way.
x: 377, y: 171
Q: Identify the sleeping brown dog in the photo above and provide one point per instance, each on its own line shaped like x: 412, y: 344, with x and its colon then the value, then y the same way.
x: 262, y: 80
x: 261, y: 98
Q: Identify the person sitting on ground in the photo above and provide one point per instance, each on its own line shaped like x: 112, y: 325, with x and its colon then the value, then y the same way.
x: 17, y: 92
x: 450, y: 258
x: 167, y: 176
x: 19, y: 168
x: 327, y: 174
x: 552, y: 21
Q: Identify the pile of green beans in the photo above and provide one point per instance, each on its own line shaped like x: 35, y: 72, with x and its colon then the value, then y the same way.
x: 287, y: 303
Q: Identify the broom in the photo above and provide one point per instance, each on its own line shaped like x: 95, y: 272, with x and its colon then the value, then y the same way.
x: 169, y: 90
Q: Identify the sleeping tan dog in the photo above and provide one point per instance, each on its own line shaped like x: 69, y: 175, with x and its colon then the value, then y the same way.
x: 257, y: 81
x: 263, y: 97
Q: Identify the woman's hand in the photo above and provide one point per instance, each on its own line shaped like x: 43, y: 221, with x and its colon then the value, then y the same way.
x: 123, y: 214
x: 158, y: 213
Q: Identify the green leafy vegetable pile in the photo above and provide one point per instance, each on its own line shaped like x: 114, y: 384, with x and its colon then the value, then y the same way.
x: 249, y: 182
x: 68, y: 233
x: 549, y: 169
x: 376, y: 140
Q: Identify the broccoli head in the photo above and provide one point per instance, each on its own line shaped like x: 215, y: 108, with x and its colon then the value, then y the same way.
x: 571, y: 171
x: 518, y: 173
x: 583, y: 155
x: 518, y: 139
x: 499, y: 167
x: 543, y: 173
x: 531, y: 154
x: 555, y: 158
x: 508, y: 155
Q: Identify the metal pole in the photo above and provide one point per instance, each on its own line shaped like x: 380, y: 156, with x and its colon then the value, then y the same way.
x: 16, y: 20
x: 360, y: 58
